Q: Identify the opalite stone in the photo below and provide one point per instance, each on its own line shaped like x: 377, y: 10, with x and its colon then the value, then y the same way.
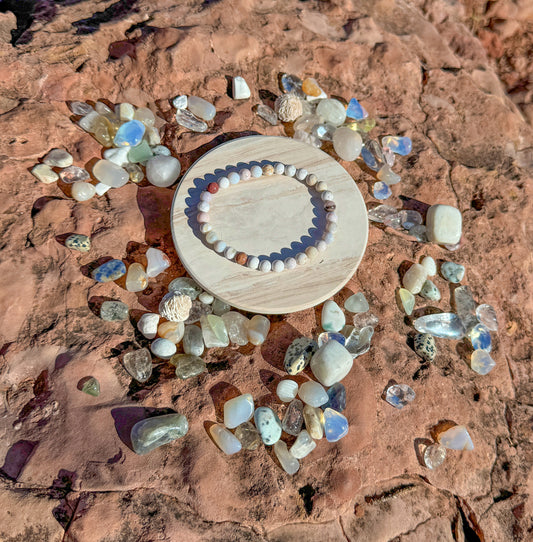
x: 163, y: 348
x: 312, y: 393
x: 240, y: 89
x: 326, y: 336
x: 214, y: 331
x: 419, y: 233
x: 425, y: 346
x: 332, y: 111
x: 414, y: 278
x: 452, y: 272
x: 157, y: 262
x: 430, y: 266
x: 80, y: 108
x: 148, y: 323
x: 313, y: 418
x: 379, y: 213
x: 78, y: 242
x: 337, y: 398
x: 206, y: 298
x: 129, y: 134
x: 238, y: 410
x: 162, y: 170
x: 287, y: 390
x: 268, y: 425
x: 347, y: 143
x: 487, y: 316
x: 125, y: 111
x: 481, y: 362
x: 445, y: 325
x: 136, y: 280
x: 465, y: 306
x: 434, y: 456
x: 303, y: 445
x: 355, y: 110
x: 58, y: 158
x: 444, y: 224
x: 109, y: 271
x: 480, y: 338
x: 266, y: 113
x: 180, y: 102
x: 109, y: 173
x: 186, y: 119
x: 145, y: 115
x: 358, y: 341
x: 357, y: 303
x: 408, y: 300
x: 45, y: 173
x: 333, y: 318
x: 456, y: 438
x: 248, y: 436
x: 82, y: 191
x: 386, y: 175
x: 112, y: 311
x: 237, y: 326
x: 335, y: 425
x: 91, y: 387
x: 287, y: 461
x: 172, y: 331
x: 140, y: 153
x: 193, y: 342
x: 430, y: 291
x: 331, y: 363
x: 399, y: 395
x: 119, y: 156
x: 299, y: 354
x: 185, y: 286
x: 410, y: 218
x: 149, y: 434
x: 73, y: 174
x: 258, y: 328
x: 397, y: 144
x: 175, y: 307
x: 220, y: 307
x: 225, y: 439
x: 293, y: 418
x: 201, y: 108
x: 138, y: 364
x: 381, y: 190
x: 365, y: 319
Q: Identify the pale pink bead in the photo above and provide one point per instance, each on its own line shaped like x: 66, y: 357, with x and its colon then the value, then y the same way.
x: 332, y: 216
x: 245, y: 174
x: 290, y: 263
x: 202, y: 217
x: 206, y: 196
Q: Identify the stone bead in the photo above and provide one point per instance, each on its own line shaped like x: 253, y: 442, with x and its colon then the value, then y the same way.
x: 301, y: 258
x: 201, y: 108
x: 268, y: 170
x: 157, y: 262
x: 109, y: 173
x: 312, y: 393
x: 445, y: 325
x: 220, y: 246
x: 386, y: 175
x: 301, y: 174
x: 480, y: 338
x: 241, y: 258
x: 434, y: 456
x: 357, y: 303
x: 397, y: 144
x: 414, y: 278
x: 240, y: 89
x: 335, y: 425
x: 148, y: 323
x: 163, y: 348
x: 332, y: 111
x: 245, y: 174
x: 265, y: 266
x: 311, y: 253
x: 329, y: 206
x: 248, y: 436
x: 172, y: 331
x: 321, y: 186
x: 203, y: 206
x: 234, y: 177
x: 45, y: 174
x: 456, y: 438
x: 214, y: 331
x: 287, y: 390
x: 136, y: 280
x: 91, y: 387
x: 313, y: 418
x: 290, y: 170
x: 355, y: 110
x: 78, y: 242
x: 303, y: 445
x: 82, y: 191
x: 311, y: 180
x: 58, y: 158
x: 331, y: 363
x: 252, y: 262
x: 138, y: 364
x: 278, y: 266
x: 180, y: 102
x: 347, y: 143
x: 206, y: 298
x: 212, y: 237
x: 279, y: 168
x: 237, y: 326
x: 290, y: 263
x: 321, y: 245
x: 336, y: 398
x: 399, y: 395
x: 481, y: 362
x: 299, y: 354
x: 193, y: 342
x: 444, y: 224
x: 425, y: 346
x: 326, y: 196
x: 268, y: 425
x: 258, y: 328
x: 238, y: 410
x: 287, y: 461
x: 213, y: 188
x: 129, y: 134
x: 206, y: 196
x: 430, y: 291
x: 109, y: 271
x: 163, y: 170
x: 332, y: 217
x: 112, y: 311
x: 256, y: 172
x: 452, y: 272
x: 487, y: 316
x: 225, y: 439
x: 333, y: 318
x: 428, y: 263
x: 149, y: 434
x: 293, y: 418
x: 187, y: 365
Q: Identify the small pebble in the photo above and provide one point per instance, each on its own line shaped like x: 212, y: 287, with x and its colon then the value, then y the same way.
x: 78, y: 242
x: 481, y: 362
x: 206, y: 297
x: 109, y: 271
x: 73, y: 174
x: 148, y: 323
x: 163, y: 348
x: 114, y: 311
x: 425, y: 346
x: 487, y: 316
x: 452, y: 272
x: 287, y: 390
x: 91, y: 387
x: 456, y: 438
x: 240, y: 89
x: 444, y: 224
x: 408, y: 300
x: 382, y: 190
x: 357, y: 303
x: 414, y: 278
x: 430, y: 291
x: 58, y: 158
x: 434, y: 456
x: 399, y: 395
x: 138, y: 364
x: 428, y: 263
x: 45, y: 173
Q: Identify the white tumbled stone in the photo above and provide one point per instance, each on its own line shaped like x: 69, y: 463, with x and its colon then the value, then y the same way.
x: 444, y: 224
x: 163, y: 170
x: 201, y: 108
x: 163, y: 348
x: 303, y: 445
x: 287, y: 390
x: 414, y: 278
x: 241, y: 90
x: 45, y: 173
x: 82, y: 191
x: 238, y: 410
x: 109, y: 173
x: 288, y: 462
x: 347, y: 143
x: 148, y: 323
x: 331, y: 363
x: 456, y: 438
x: 117, y: 155
x: 430, y: 266
x: 313, y: 394
x: 225, y: 439
x: 58, y: 158
x: 157, y: 262
x: 333, y: 318
x: 101, y: 189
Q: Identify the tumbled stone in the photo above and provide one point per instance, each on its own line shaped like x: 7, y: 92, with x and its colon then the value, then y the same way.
x: 419, y: 233
x: 248, y: 436
x: 163, y: 170
x: 381, y: 190
x: 74, y: 174
x: 112, y: 311
x: 393, y: 221
x: 355, y: 110
x: 331, y: 363
x: 82, y: 191
x: 193, y: 342
x: 456, y: 438
x: 185, y: 286
x: 149, y: 434
x: 407, y: 299
x: 240, y: 89
x: 409, y: 218
x: 333, y: 318
x: 180, y: 102
x: 480, y: 338
x: 307, y: 138
x: 357, y: 303
x: 125, y: 111
x: 91, y: 387
x: 310, y: 87
x: 287, y: 461
x: 80, y: 108
x: 434, y: 456
x: 358, y: 341
x: 465, y: 306
x: 397, y: 144
x: 101, y: 189
x: 445, y: 325
x: 129, y: 134
x: 136, y: 280
x: 109, y: 271
x: 206, y: 298
x: 452, y: 272
x: 214, y: 331
x: 237, y: 326
x: 198, y: 309
x: 109, y: 173
x: 268, y: 425
x: 135, y: 172
x: 187, y: 365
x: 379, y: 213
x: 138, y: 364
x: 487, y: 316
x: 220, y: 307
x: 186, y: 119
x: 45, y: 173
x: 163, y: 348
x: 386, y: 175
x: 299, y: 354
x: 88, y: 121
x: 414, y: 278
x: 291, y: 83
x: 430, y: 291
x: 312, y: 393
x: 399, y: 395
x: 428, y: 263
x: 313, y: 418
x: 141, y: 153
x: 293, y: 418
x: 444, y: 224
x: 238, y: 410
x: 307, y: 122
x: 303, y: 445
x: 332, y: 111
x: 145, y: 115
x: 172, y: 331
x: 58, y: 158
x: 258, y: 328
x: 161, y: 150
x: 78, y: 242
x: 201, y: 108
x: 324, y: 131
x: 225, y: 439
x: 372, y: 155
x: 347, y: 143
x: 481, y: 362
x: 335, y: 425
x: 336, y: 398
x: 147, y: 324
x: 157, y: 262
x: 326, y: 336
x: 266, y: 113
x: 119, y: 156
x: 425, y: 346
x: 365, y: 319
x: 287, y: 390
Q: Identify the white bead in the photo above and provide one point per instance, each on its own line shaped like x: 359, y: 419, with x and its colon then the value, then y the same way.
x: 211, y: 237
x: 332, y: 216
x: 328, y: 238
x: 256, y: 171
x: 245, y: 174
x: 278, y: 266
x: 326, y: 195
x: 205, y: 227
x: 206, y: 196
x: 311, y: 180
x: 203, y: 206
x: 290, y: 263
x: 321, y: 186
x: 206, y: 298
x: 253, y: 262
x: 279, y: 168
x: 311, y: 252
x: 301, y: 174
x: 202, y: 217
x: 220, y: 246
x: 331, y: 227
x: 301, y: 258
x: 230, y: 253
x: 223, y: 182
x: 265, y: 266
x: 234, y: 177
x: 321, y: 245
x: 290, y: 170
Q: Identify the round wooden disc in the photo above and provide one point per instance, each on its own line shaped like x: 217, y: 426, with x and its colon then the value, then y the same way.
x: 270, y: 217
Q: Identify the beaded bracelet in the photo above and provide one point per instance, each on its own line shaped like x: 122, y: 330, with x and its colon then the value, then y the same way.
x: 255, y: 172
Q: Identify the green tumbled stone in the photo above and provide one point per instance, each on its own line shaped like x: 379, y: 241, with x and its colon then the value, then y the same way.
x: 91, y: 387
x: 149, y: 434
x: 408, y: 300
x: 187, y: 365
x: 140, y: 153
x: 78, y: 242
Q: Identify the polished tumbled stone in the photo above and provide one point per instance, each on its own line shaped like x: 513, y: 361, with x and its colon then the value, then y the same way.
x: 214, y: 331
x: 487, y: 316
x: 149, y: 434
x: 266, y: 113
x: 58, y: 158
x: 303, y: 445
x: 381, y: 190
x: 201, y: 108
x: 452, y: 272
x: 240, y: 89
x: 156, y: 262
x: 481, y: 362
x: 425, y: 346
x: 430, y: 291
x: 91, y: 387
x: 238, y: 410
x: 313, y: 418
x: 78, y: 242
x: 381, y: 212
x: 268, y: 425
x: 293, y: 418
x: 136, y: 279
x: 347, y: 143
x: 399, y: 395
x: 331, y: 363
x: 163, y: 171
x: 456, y: 438
x: 185, y: 286
x: 312, y: 393
x: 74, y: 174
x: 44, y: 173
x: 434, y: 456
x: 173, y: 331
x: 225, y: 439
x: 414, y: 278
x: 335, y: 425
x: 237, y: 326
x: 287, y: 390
x: 221, y: 307
x: 332, y: 111
x: 258, y: 328
x: 299, y: 354
x: 358, y: 341
x: 465, y: 306
x: 398, y: 144
x: 480, y: 338
x: 357, y: 303
x: 410, y: 218
x: 138, y: 364
x: 288, y: 462
x: 333, y: 318
x: 326, y: 336
x: 445, y: 325
x: 114, y: 311
x: 129, y: 134
x: 109, y: 173
x: 387, y: 176
x: 140, y: 153
x: 163, y: 348
x: 193, y: 342
x: 186, y: 119
x: 337, y: 398
x: 429, y: 264
x: 148, y: 323
x: 187, y: 365
x: 444, y: 224
x: 109, y: 271
x: 355, y: 110
x: 407, y: 299
x: 248, y: 436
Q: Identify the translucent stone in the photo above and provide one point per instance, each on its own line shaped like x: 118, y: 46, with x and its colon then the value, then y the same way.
x: 172, y: 331
x: 425, y: 346
x: 430, y: 291
x: 456, y: 438
x: 331, y: 363
x: 180, y: 102
x: 138, y: 364
x: 82, y: 191
x: 135, y: 172
x: 238, y: 410
x: 163, y: 170
x: 355, y: 110
x: 44, y: 173
x: 149, y: 434
x: 91, y: 387
x: 258, y: 328
x: 266, y: 113
x: 333, y: 318
x: 336, y: 398
x: 237, y: 326
x: 393, y: 221
x: 452, y: 272
x: 102, y: 108
x: 73, y: 174
x: 311, y: 87
x: 287, y: 461
x: 157, y: 262
x: 161, y: 150
x: 332, y: 111
x: 481, y: 362
x: 125, y: 111
x: 240, y: 89
x: 347, y: 143
x: 487, y: 316
x: 80, y: 108
x: 111, y: 174
x: 193, y: 342
x: 109, y: 271
x: 78, y: 242
x: 324, y: 131
x: 163, y: 348
x: 430, y: 266
x: 148, y: 323
x: 88, y: 122
x: 118, y: 156
x: 140, y: 153
x: 214, y: 331
x: 268, y: 425
x: 357, y: 303
x: 480, y: 338
x: 399, y: 145
x: 381, y: 190
x: 372, y: 155
x: 220, y: 307
x: 445, y: 325
x: 112, y: 311
x: 335, y: 425
x: 136, y: 280
x: 386, y: 175
x: 303, y: 445
x: 444, y: 224
x: 408, y: 300
x: 103, y: 131
x: 206, y: 298
x: 248, y: 436
x: 414, y: 278
x: 187, y: 365
x: 326, y: 336
x: 434, y: 456
x: 312, y: 393
x: 145, y: 115
x: 185, y: 286
x: 287, y: 390
x: 299, y: 354
x: 389, y: 157
x: 308, y: 139
x: 453, y: 248
x: 201, y: 108
x: 294, y: 418
x: 365, y: 319
x: 291, y: 83
x: 101, y: 189
x: 399, y: 395
x: 379, y: 213
x: 307, y: 122
x: 409, y: 219
x: 358, y: 341
x: 313, y: 421
x: 419, y: 233
x: 129, y: 134
x: 186, y: 119
x: 58, y: 158
x: 363, y: 125
x: 465, y: 306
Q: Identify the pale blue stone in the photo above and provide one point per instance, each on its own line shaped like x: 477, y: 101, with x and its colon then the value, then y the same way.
x: 335, y: 425
x: 268, y: 425
x: 109, y: 271
x: 369, y: 159
x: 397, y: 144
x: 399, y: 395
x: 452, y: 272
x: 160, y: 150
x: 373, y: 155
x: 323, y: 338
x: 480, y: 338
x: 382, y: 190
x: 355, y: 110
x: 445, y: 325
x: 129, y: 134
x: 337, y: 398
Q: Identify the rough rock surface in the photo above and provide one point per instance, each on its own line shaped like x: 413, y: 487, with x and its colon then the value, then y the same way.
x: 68, y: 470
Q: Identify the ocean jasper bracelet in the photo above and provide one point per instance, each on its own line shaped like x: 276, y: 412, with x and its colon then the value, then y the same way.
x: 255, y: 172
